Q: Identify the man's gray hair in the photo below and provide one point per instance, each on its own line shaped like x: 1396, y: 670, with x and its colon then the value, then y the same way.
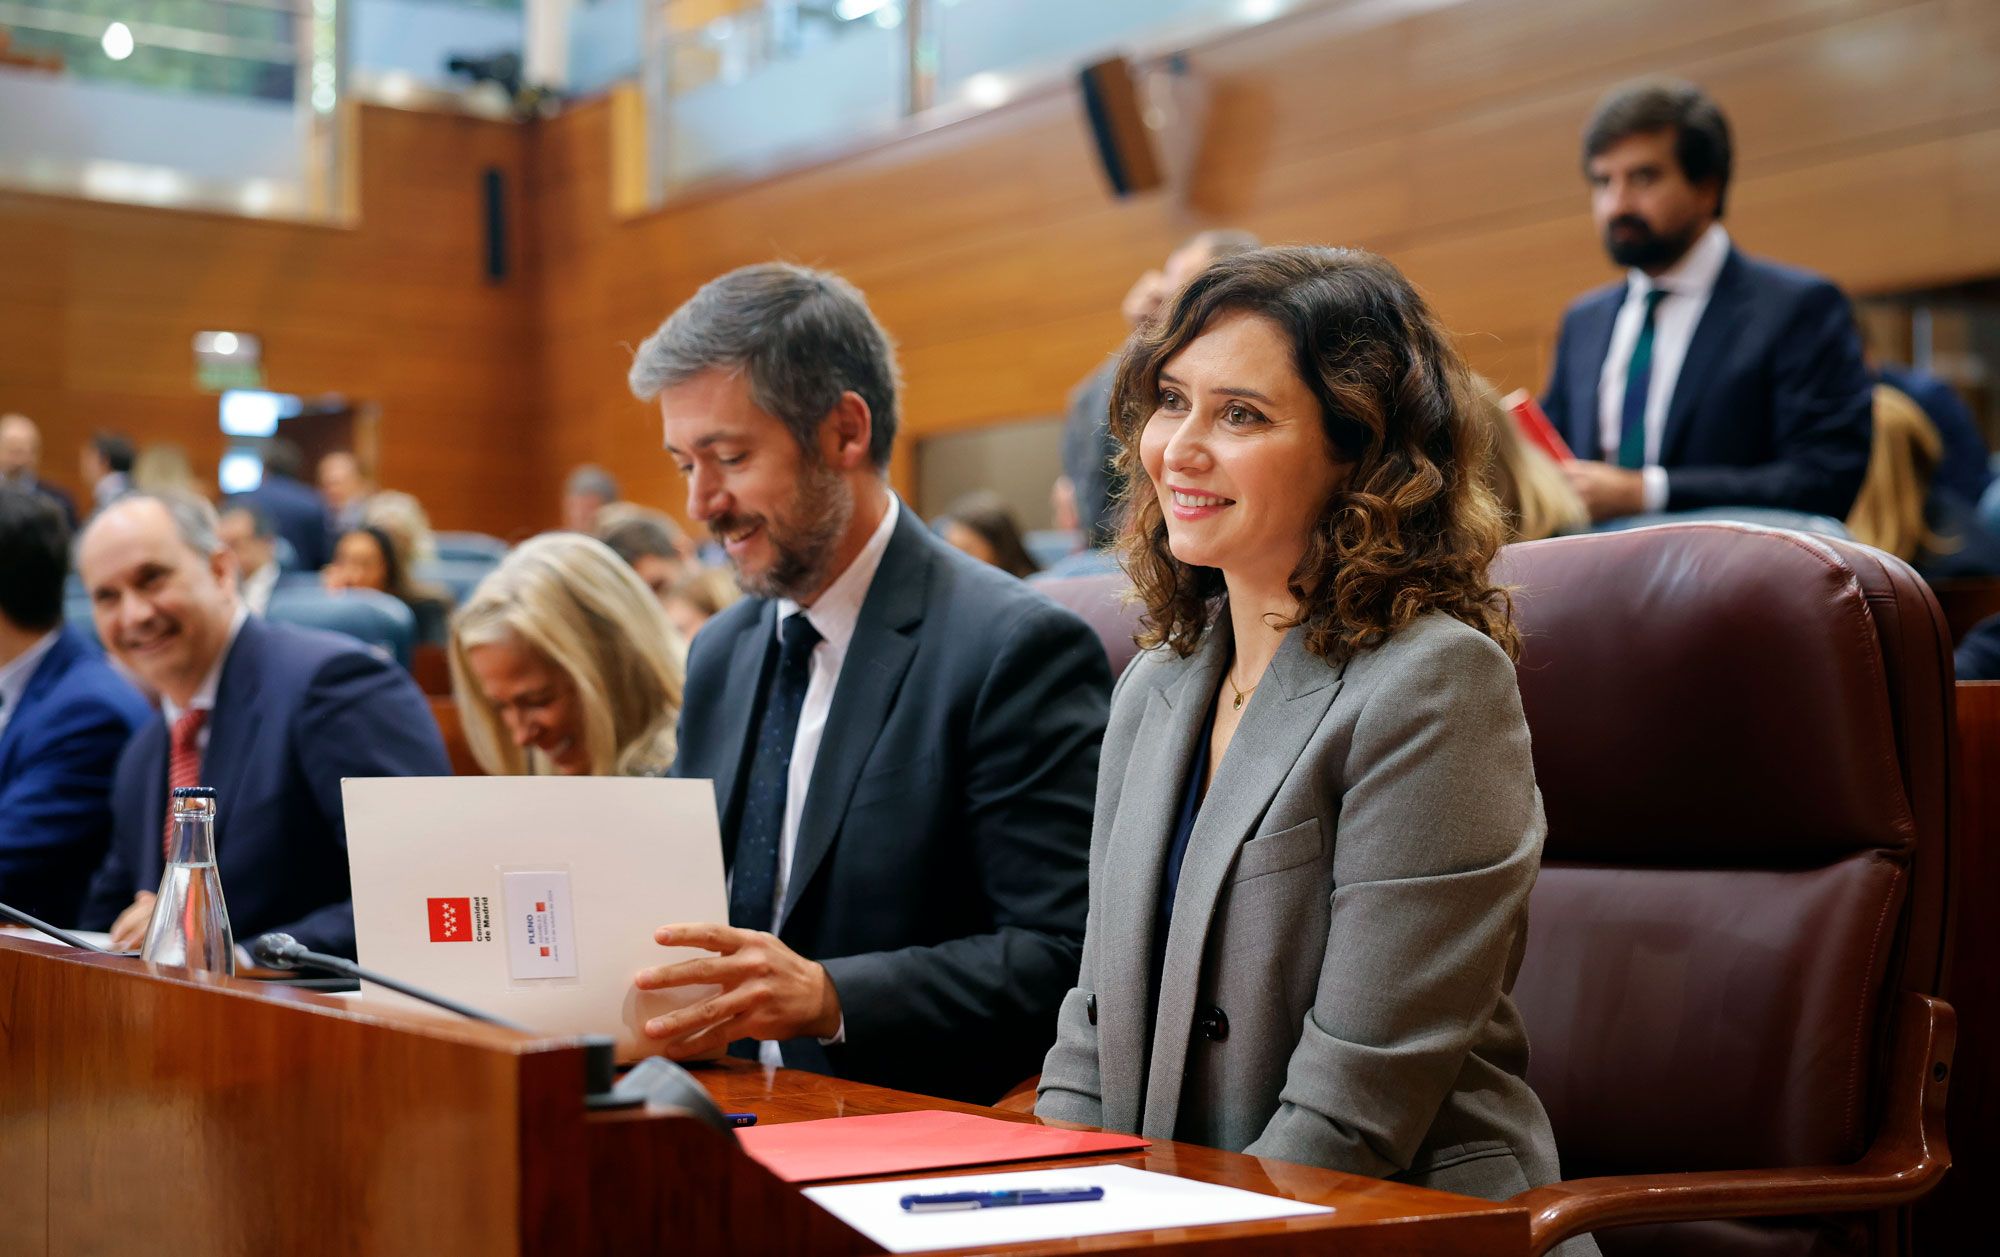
x: 803, y: 337
x: 194, y: 519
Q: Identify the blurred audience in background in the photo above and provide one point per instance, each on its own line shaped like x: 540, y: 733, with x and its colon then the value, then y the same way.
x: 1705, y: 377
x: 697, y: 598
x: 1965, y: 467
x: 64, y: 717
x: 982, y: 525
x: 562, y: 661
x: 371, y: 557
x: 1900, y: 508
x: 649, y: 540
x: 247, y: 532
x: 105, y: 464
x: 21, y: 460
x: 297, y: 511
x: 1532, y: 489
x: 1088, y: 449
x: 163, y: 467
x: 588, y: 490
x: 403, y: 517
x: 345, y: 487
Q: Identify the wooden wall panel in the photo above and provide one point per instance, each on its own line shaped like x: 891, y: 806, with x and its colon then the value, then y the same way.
x: 1443, y: 135
x: 101, y: 302
x: 1868, y: 136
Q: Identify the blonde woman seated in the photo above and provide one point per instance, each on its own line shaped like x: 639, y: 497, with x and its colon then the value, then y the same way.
x: 1536, y: 497
x: 563, y: 662
x: 1903, y: 510
x: 1317, y: 823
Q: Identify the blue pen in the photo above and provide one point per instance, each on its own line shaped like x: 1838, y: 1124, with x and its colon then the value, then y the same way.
x: 740, y: 1119
x: 943, y: 1201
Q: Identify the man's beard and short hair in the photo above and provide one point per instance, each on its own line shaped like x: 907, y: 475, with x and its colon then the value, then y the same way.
x: 1645, y: 248
x: 802, y: 541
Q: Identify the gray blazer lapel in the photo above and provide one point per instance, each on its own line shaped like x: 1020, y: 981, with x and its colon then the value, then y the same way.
x: 1135, y: 853
x: 1287, y: 709
x: 745, y: 675
x: 884, y: 643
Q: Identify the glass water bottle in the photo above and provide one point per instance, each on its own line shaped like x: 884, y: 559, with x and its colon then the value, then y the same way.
x: 190, y: 924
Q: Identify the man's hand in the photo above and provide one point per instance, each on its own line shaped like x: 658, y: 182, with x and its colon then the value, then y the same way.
x: 768, y: 991
x: 128, y: 932
x: 1607, y: 492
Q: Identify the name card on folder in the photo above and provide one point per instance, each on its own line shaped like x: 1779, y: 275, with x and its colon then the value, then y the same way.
x: 534, y: 898
x: 897, y: 1143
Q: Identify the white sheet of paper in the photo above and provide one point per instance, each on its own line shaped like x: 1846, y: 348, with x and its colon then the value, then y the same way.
x: 1134, y: 1200
x: 440, y: 865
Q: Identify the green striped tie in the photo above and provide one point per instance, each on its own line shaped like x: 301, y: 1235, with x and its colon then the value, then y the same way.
x: 1638, y: 383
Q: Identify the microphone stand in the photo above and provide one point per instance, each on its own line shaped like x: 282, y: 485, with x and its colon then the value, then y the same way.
x: 36, y: 923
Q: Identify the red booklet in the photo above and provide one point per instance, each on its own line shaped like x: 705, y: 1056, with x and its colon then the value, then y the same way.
x: 897, y: 1143
x: 1535, y: 425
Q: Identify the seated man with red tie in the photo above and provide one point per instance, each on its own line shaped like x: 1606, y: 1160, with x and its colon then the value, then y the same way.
x: 270, y: 715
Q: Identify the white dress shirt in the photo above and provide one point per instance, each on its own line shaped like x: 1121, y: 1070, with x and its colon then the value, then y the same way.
x: 16, y: 673
x: 835, y: 613
x: 257, y: 587
x: 1688, y: 284
x: 204, y: 698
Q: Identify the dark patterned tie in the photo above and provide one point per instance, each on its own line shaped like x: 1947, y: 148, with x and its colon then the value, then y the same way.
x: 1638, y: 385
x: 753, y: 877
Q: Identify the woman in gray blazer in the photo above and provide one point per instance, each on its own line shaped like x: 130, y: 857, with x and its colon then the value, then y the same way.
x: 1317, y: 822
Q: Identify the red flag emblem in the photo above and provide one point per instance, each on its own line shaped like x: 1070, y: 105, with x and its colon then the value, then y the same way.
x: 451, y: 920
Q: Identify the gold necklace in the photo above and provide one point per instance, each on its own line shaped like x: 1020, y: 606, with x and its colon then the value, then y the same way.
x: 1240, y: 694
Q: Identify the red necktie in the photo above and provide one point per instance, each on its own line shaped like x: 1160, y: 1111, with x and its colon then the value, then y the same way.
x: 183, y: 766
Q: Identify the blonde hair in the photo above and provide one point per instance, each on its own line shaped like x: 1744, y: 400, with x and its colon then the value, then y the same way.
x: 1889, y: 513
x: 163, y: 467
x: 711, y: 591
x: 402, y: 517
x: 1532, y: 489
x: 568, y: 598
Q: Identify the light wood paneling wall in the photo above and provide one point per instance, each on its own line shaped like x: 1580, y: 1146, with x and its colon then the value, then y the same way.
x: 99, y: 303
x: 1867, y: 132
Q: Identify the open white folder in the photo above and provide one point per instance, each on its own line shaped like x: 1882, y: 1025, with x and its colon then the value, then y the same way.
x: 533, y: 898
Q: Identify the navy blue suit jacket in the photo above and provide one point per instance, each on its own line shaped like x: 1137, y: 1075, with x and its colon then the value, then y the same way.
x: 942, y: 861
x: 298, y: 514
x: 296, y: 710
x: 56, y: 759
x: 1772, y: 405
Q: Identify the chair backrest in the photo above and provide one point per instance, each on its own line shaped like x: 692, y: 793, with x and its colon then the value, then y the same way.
x: 1105, y: 603
x: 1742, y: 738
x: 472, y: 546
x: 458, y: 577
x: 375, y: 618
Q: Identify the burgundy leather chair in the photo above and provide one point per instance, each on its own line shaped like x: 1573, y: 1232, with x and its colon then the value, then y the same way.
x: 1105, y: 603
x: 1743, y: 740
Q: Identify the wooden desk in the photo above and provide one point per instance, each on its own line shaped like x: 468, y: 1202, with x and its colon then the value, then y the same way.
x: 185, y: 1113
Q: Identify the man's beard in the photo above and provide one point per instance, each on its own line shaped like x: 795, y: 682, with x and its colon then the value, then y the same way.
x: 803, y: 551
x: 1645, y: 248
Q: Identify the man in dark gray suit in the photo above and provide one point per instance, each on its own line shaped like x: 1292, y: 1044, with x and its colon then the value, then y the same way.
x: 903, y: 740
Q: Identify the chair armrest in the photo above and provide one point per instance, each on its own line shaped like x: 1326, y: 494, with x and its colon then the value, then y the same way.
x: 1021, y: 1098
x: 1906, y: 1160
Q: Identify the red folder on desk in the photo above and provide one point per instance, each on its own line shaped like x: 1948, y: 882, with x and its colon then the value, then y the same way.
x: 897, y: 1143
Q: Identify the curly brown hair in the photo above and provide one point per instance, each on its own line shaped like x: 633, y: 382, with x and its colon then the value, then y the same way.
x: 1414, y: 526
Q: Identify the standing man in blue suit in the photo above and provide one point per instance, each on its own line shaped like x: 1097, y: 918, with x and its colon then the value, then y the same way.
x: 64, y: 717
x: 270, y: 715
x: 1707, y: 377
x: 903, y: 740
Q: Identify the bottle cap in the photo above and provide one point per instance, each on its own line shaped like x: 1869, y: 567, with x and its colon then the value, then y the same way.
x: 194, y: 792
